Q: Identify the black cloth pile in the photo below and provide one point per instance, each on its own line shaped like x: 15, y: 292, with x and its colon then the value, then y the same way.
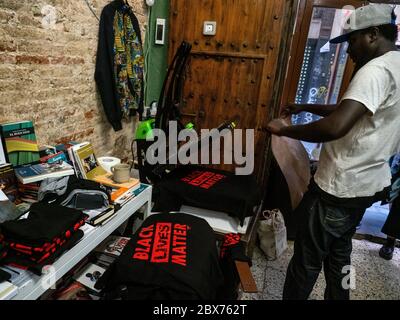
x: 81, y: 194
x: 231, y: 250
x: 172, y: 256
x: 38, y: 240
x: 208, y: 189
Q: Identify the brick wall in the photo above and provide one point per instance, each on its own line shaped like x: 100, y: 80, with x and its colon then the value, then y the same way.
x: 47, y: 61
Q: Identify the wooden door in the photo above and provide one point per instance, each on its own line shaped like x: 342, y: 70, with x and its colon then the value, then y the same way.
x: 232, y: 73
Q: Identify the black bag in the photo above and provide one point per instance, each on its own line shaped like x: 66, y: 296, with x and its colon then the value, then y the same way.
x: 81, y: 194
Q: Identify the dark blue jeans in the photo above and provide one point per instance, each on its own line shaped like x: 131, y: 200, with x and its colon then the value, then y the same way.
x: 326, y: 225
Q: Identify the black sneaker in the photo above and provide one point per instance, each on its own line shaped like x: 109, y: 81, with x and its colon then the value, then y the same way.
x: 386, y: 252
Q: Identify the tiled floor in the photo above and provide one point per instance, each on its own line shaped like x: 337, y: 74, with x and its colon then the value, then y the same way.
x: 376, y: 279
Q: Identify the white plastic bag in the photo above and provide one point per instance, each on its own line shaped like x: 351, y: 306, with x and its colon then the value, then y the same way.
x: 272, y: 234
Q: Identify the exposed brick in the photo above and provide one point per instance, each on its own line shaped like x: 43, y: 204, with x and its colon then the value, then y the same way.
x: 47, y: 75
x: 27, y: 59
x: 90, y: 114
x: 66, y: 60
x: 7, y: 16
x: 6, y: 58
x: 8, y: 46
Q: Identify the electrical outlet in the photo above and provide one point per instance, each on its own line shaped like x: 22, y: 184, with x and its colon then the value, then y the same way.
x: 209, y: 28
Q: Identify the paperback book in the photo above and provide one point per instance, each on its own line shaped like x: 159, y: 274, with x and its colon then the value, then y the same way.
x: 107, y: 180
x: 124, y: 197
x: 100, y: 216
x: 41, y: 171
x: 3, y: 159
x: 20, y: 142
x: 86, y: 160
x: 8, y: 182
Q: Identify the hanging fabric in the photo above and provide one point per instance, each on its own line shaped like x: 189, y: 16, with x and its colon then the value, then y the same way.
x: 120, y: 63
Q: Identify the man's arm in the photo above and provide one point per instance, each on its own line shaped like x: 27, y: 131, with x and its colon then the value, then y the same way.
x: 332, y: 127
x: 322, y: 110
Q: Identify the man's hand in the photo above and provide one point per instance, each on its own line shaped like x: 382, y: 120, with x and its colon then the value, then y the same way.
x: 290, y: 109
x: 276, y: 126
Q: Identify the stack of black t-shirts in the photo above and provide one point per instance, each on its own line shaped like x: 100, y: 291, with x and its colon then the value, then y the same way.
x: 38, y: 240
x: 171, y: 256
x: 208, y: 189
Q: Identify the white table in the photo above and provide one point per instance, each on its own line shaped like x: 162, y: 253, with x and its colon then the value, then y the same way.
x: 91, y: 240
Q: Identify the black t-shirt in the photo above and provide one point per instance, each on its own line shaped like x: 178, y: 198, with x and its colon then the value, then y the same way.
x: 171, y: 256
x: 208, y: 189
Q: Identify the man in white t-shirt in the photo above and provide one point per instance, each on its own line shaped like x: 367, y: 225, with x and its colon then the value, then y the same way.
x: 360, y: 134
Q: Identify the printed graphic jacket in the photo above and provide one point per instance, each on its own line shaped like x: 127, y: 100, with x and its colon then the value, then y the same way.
x: 119, y: 63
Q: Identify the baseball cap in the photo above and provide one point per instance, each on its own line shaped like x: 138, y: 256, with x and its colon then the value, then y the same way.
x: 372, y: 15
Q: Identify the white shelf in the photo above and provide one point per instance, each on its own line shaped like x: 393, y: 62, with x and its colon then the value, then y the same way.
x: 90, y: 241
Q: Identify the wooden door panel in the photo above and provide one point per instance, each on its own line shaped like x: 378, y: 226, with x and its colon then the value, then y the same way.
x: 231, y: 92
x: 232, y: 73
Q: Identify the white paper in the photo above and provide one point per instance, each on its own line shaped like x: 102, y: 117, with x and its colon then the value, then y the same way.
x: 2, y: 155
x: 219, y: 221
x: 325, y: 48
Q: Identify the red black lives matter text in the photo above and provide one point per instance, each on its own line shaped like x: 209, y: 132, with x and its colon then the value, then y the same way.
x: 163, y: 242
x: 203, y: 179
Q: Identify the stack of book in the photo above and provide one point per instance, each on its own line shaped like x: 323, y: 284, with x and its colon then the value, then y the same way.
x: 30, y: 163
x: 50, y: 155
x: 122, y: 195
x: 38, y: 172
x: 28, y: 192
x: 8, y: 181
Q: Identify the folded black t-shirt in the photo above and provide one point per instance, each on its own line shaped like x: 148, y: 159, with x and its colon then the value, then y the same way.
x: 171, y: 256
x: 208, y: 189
x: 24, y: 262
x: 44, y: 223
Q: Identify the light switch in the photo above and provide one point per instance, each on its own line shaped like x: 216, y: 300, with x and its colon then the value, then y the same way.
x: 210, y: 28
x: 160, y: 31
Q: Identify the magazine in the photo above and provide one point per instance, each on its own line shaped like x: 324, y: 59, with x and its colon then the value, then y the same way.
x: 89, y: 275
x: 112, y: 246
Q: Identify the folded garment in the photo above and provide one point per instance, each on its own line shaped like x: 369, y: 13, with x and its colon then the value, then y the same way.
x: 36, y: 253
x: 171, y: 256
x: 208, y: 189
x: 232, y: 249
x: 4, y: 276
x: 21, y: 261
x: 45, y: 223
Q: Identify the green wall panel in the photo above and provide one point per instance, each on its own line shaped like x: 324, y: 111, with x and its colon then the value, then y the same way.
x: 156, y: 63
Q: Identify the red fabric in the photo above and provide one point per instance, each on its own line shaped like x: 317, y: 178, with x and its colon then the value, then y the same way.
x: 230, y: 239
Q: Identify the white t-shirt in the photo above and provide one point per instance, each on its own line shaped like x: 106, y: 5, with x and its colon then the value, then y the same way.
x: 356, y: 165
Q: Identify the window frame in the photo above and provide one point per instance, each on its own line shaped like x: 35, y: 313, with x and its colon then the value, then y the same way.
x: 298, y: 45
